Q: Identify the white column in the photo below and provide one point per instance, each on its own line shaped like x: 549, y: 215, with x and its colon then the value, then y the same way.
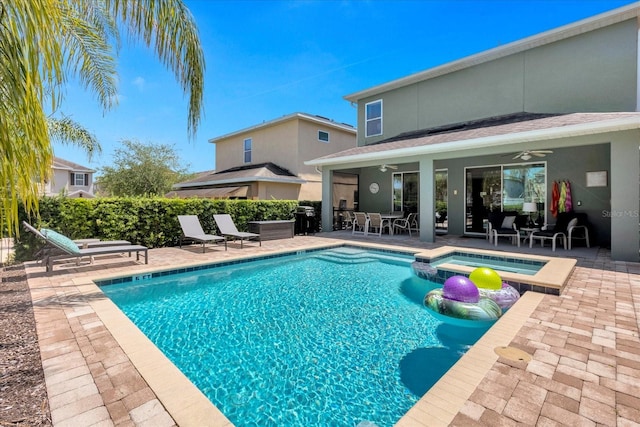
x: 327, y: 200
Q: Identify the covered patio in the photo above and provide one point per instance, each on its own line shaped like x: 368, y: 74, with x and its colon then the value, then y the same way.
x: 597, y: 153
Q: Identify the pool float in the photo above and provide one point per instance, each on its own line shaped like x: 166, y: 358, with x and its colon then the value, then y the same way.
x: 505, y: 297
x: 491, y: 286
x: 424, y: 270
x: 460, y: 298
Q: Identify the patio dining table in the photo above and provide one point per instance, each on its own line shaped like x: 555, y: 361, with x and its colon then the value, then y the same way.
x: 389, y: 218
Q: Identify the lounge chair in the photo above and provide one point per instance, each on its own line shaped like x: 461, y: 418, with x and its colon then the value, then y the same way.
x: 192, y: 230
x: 71, y: 249
x: 227, y: 228
x: 50, y: 250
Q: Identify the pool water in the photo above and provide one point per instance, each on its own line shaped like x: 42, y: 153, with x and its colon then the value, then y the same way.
x: 335, y: 337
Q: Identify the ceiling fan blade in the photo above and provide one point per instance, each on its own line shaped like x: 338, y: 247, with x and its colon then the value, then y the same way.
x: 542, y: 151
x: 517, y: 155
x: 538, y: 154
x: 392, y: 166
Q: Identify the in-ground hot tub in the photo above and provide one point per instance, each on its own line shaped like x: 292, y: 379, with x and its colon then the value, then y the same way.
x: 522, y: 271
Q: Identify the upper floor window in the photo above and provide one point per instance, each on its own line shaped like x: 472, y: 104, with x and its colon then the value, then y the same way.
x: 373, y: 118
x: 247, y: 150
x: 323, y: 136
x: 80, y: 179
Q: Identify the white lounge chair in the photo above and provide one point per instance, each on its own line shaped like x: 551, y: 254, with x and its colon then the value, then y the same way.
x: 192, y: 230
x: 71, y: 250
x: 227, y: 228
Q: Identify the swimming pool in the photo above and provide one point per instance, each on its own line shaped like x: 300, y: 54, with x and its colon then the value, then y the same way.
x: 334, y: 337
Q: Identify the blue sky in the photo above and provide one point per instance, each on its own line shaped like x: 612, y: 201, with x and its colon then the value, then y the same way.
x: 266, y: 59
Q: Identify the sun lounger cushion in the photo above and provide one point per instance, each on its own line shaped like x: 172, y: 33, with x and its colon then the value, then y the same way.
x: 60, y: 240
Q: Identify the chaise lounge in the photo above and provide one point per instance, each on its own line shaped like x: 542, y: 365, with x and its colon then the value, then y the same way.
x: 227, y: 228
x: 70, y: 249
x: 192, y: 230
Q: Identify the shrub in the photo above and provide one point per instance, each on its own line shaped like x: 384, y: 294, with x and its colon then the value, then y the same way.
x: 152, y: 222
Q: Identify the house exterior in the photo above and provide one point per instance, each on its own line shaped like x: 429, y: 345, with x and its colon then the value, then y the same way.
x: 507, y: 126
x: 266, y: 161
x: 69, y: 179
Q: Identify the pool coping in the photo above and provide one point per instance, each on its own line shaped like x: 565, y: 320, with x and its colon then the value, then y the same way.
x: 190, y: 407
x: 551, y: 278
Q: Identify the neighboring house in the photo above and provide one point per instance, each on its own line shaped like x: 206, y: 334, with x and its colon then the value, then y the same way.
x: 502, y: 126
x: 69, y: 179
x: 266, y: 161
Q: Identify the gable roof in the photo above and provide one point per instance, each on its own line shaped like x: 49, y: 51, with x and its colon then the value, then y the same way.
x: 302, y: 116
x: 59, y: 163
x: 491, y: 132
x: 268, y: 172
x: 615, y: 16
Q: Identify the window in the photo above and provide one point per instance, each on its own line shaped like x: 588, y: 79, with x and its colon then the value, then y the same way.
x: 80, y: 179
x: 373, y: 118
x: 323, y: 136
x: 247, y: 150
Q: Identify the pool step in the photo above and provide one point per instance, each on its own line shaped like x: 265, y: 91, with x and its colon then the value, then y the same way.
x: 346, y: 256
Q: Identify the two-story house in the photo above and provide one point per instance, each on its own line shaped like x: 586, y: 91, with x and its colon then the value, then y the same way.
x: 506, y: 126
x: 69, y: 179
x: 266, y: 161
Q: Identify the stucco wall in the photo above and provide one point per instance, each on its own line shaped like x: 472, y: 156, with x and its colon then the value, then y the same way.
x: 595, y: 71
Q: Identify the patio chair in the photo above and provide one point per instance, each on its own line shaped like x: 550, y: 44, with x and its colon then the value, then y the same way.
x: 377, y: 224
x: 405, y: 224
x: 503, y: 224
x: 227, y: 228
x: 192, y: 230
x: 580, y: 226
x: 70, y: 249
x: 360, y: 223
x: 564, y: 221
x: 347, y: 220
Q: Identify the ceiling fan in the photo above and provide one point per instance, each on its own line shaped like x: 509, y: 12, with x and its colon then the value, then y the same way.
x: 528, y: 154
x: 383, y: 168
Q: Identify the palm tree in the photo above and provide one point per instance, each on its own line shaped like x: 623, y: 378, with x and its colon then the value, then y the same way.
x: 45, y: 42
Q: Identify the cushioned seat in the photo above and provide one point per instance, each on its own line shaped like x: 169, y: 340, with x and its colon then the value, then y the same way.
x: 503, y: 224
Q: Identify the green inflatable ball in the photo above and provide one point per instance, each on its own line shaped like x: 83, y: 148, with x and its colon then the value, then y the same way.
x: 486, y: 278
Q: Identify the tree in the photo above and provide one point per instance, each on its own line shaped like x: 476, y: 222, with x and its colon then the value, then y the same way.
x: 45, y: 42
x: 142, y: 170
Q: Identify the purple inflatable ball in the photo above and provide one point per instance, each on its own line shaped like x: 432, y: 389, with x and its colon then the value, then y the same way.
x: 460, y: 288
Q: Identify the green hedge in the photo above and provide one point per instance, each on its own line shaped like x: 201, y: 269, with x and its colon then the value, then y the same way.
x: 151, y: 222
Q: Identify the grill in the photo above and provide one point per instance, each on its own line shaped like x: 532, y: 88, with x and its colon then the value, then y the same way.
x: 305, y: 220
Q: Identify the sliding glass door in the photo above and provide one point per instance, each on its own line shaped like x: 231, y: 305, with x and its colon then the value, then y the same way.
x: 502, y: 187
x: 405, y: 192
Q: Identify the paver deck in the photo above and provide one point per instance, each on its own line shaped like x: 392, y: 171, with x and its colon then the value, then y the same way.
x: 584, y: 347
